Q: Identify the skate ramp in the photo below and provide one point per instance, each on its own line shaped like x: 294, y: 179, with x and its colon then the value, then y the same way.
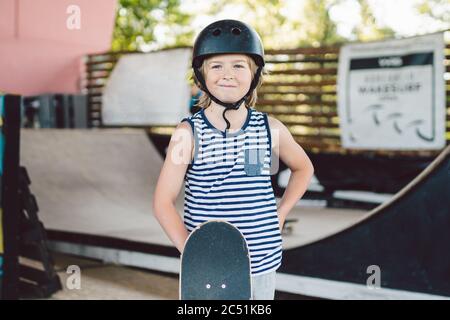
x: 95, y: 182
x: 406, y: 238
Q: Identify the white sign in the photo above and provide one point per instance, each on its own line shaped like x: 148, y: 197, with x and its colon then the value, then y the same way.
x: 148, y: 89
x: 391, y: 94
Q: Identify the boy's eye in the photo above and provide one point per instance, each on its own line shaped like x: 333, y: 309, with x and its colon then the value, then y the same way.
x: 218, y: 66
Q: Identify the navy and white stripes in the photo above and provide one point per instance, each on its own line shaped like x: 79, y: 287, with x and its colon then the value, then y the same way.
x: 229, y: 179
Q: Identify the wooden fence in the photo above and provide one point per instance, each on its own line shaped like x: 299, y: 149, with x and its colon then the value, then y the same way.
x: 300, y: 90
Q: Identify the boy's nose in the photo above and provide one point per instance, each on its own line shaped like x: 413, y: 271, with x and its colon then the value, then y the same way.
x: 228, y: 73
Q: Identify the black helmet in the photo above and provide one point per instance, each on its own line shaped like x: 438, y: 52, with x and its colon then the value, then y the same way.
x: 228, y: 36
x: 222, y: 37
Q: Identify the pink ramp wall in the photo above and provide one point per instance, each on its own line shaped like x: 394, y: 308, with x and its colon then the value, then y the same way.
x: 39, y: 53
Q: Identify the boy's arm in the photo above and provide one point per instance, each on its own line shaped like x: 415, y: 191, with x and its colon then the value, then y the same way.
x: 170, y: 182
x: 293, y: 155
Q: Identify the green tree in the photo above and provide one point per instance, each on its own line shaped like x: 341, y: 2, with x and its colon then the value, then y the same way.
x: 319, y: 28
x: 137, y: 20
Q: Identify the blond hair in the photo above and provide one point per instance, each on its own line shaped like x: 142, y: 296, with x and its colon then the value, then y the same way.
x: 205, y: 101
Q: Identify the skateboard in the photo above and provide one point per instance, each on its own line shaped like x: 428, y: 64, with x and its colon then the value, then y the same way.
x: 215, y: 264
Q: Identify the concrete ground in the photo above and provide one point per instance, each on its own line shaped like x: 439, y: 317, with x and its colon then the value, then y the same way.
x: 101, y: 281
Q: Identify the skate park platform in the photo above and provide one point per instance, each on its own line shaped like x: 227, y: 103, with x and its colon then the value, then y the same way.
x: 94, y: 190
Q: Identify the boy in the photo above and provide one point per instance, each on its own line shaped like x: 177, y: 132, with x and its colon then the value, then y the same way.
x: 223, y: 153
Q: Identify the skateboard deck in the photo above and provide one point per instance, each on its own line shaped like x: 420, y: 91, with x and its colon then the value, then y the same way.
x: 215, y: 264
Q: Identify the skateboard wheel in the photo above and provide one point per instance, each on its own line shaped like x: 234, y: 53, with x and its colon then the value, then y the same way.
x: 224, y: 286
x: 208, y: 286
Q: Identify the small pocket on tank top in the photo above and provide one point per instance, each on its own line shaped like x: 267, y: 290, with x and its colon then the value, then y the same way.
x: 254, y: 161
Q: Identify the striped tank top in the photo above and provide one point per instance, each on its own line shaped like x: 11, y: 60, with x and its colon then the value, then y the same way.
x: 229, y: 179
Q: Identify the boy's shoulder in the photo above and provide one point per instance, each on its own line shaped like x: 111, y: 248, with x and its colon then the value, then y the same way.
x: 259, y: 114
x: 278, y: 131
x: 274, y: 123
x: 192, y: 117
x: 188, y: 123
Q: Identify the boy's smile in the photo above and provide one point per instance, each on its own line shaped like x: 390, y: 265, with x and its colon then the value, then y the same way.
x: 228, y: 76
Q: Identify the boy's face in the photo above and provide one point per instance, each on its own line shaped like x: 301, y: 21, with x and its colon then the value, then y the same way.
x: 228, y: 76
